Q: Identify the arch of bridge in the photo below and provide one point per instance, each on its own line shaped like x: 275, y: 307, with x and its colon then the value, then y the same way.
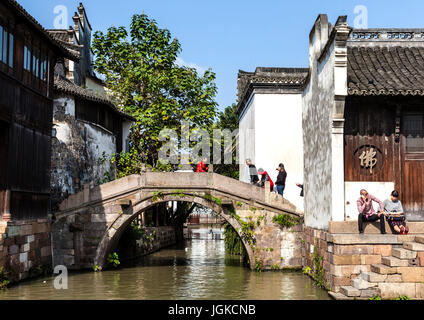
x: 115, y: 230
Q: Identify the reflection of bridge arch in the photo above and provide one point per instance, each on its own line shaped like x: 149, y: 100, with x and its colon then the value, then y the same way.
x: 113, y: 233
x: 90, y: 222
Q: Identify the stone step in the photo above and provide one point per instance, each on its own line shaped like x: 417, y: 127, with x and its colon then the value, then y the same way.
x: 362, y: 284
x: 402, y: 253
x: 419, y: 239
x: 416, y: 227
x: 394, y: 262
x: 373, y: 277
x: 369, y: 293
x: 383, y: 269
x: 339, y: 296
x: 415, y: 246
x: 350, y: 291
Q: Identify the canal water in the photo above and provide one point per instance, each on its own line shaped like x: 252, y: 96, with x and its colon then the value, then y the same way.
x: 196, y: 269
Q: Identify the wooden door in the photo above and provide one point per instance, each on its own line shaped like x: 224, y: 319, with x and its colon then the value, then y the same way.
x: 412, y: 150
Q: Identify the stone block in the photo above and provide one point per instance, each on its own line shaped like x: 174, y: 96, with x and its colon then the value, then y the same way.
x: 40, y: 228
x: 370, y: 259
x: 68, y: 260
x: 30, y: 238
x: 23, y: 257
x: 348, y: 270
x: 352, y: 249
x: 419, y: 290
x: 383, y: 269
x: 394, y: 262
x: 13, y: 231
x: 350, y: 291
x: 395, y: 290
x: 25, y: 247
x: 46, y: 251
x: 344, y: 260
x: 361, y: 284
x: 14, y: 249
x: 420, y: 256
x: 394, y: 278
x: 20, y: 240
x: 340, y: 281
x: 383, y: 249
x: 402, y: 253
x: 415, y: 246
x: 373, y: 277
x: 364, y: 239
x: 369, y: 293
x: 411, y: 274
x: 25, y: 230
x: 419, y: 239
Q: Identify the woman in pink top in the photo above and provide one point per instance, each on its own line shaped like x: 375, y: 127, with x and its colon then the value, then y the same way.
x: 367, y: 212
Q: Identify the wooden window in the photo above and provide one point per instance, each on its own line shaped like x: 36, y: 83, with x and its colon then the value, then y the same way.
x: 6, y: 47
x: 43, y: 65
x: 27, y: 58
x: 36, y: 62
x: 413, y: 128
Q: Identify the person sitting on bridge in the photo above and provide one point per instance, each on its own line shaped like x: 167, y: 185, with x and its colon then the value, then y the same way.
x: 395, y: 215
x: 265, y: 177
x: 254, y: 179
x: 201, y: 166
x: 367, y: 212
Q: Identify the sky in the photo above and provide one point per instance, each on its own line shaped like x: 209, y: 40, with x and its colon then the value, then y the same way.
x: 233, y: 35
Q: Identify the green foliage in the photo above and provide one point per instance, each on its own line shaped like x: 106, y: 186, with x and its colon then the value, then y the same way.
x: 228, y: 120
x: 239, y: 204
x: 4, y: 279
x: 40, y: 270
x: 140, y: 70
x: 306, y: 270
x: 248, y: 231
x: 258, y: 266
x: 259, y: 220
x: 402, y: 298
x: 318, y: 269
x: 275, y: 267
x: 132, y: 233
x: 157, y: 196
x: 113, y: 260
x: 253, y: 209
x: 233, y: 243
x: 211, y: 198
x: 97, y: 268
x: 376, y: 297
x: 180, y: 193
x: 286, y: 220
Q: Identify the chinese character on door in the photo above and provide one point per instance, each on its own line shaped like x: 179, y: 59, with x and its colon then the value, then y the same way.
x: 368, y: 159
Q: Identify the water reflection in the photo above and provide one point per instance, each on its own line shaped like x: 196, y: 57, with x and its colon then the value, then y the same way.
x: 195, y: 269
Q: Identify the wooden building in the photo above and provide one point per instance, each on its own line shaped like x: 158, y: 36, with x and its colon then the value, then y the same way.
x: 28, y: 55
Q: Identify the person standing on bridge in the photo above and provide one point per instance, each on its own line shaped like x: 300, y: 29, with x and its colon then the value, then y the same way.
x: 201, y: 166
x: 254, y: 179
x: 266, y: 177
x: 281, y: 179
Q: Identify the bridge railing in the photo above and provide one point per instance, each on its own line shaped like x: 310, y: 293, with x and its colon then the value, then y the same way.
x: 182, y: 181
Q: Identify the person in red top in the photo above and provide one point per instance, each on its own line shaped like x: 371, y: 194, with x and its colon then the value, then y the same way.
x: 266, y: 177
x: 201, y: 166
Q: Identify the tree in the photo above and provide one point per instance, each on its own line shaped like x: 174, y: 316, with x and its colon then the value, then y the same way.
x: 228, y: 120
x: 141, y: 73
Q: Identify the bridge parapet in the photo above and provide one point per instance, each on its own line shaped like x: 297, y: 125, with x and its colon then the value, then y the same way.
x: 180, y: 181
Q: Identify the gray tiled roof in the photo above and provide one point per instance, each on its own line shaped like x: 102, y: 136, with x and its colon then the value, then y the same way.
x: 386, y: 70
x: 64, y: 85
x: 20, y: 10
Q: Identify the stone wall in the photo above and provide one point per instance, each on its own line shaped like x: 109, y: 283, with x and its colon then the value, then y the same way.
x: 154, y: 239
x: 25, y: 248
x: 79, y: 150
x: 347, y: 259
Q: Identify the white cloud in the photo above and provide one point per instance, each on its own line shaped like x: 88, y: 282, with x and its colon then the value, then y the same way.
x: 180, y: 62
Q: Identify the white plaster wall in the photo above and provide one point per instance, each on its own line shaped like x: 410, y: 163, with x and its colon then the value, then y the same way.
x: 126, y: 127
x: 247, y: 139
x: 279, y: 139
x: 67, y: 102
x: 318, y: 101
x: 99, y: 143
x: 94, y: 86
x: 381, y: 190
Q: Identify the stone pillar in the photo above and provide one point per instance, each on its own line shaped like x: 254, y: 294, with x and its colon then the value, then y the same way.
x: 143, y: 218
x: 337, y: 171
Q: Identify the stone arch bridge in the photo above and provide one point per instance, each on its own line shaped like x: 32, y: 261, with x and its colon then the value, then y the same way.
x: 90, y: 223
